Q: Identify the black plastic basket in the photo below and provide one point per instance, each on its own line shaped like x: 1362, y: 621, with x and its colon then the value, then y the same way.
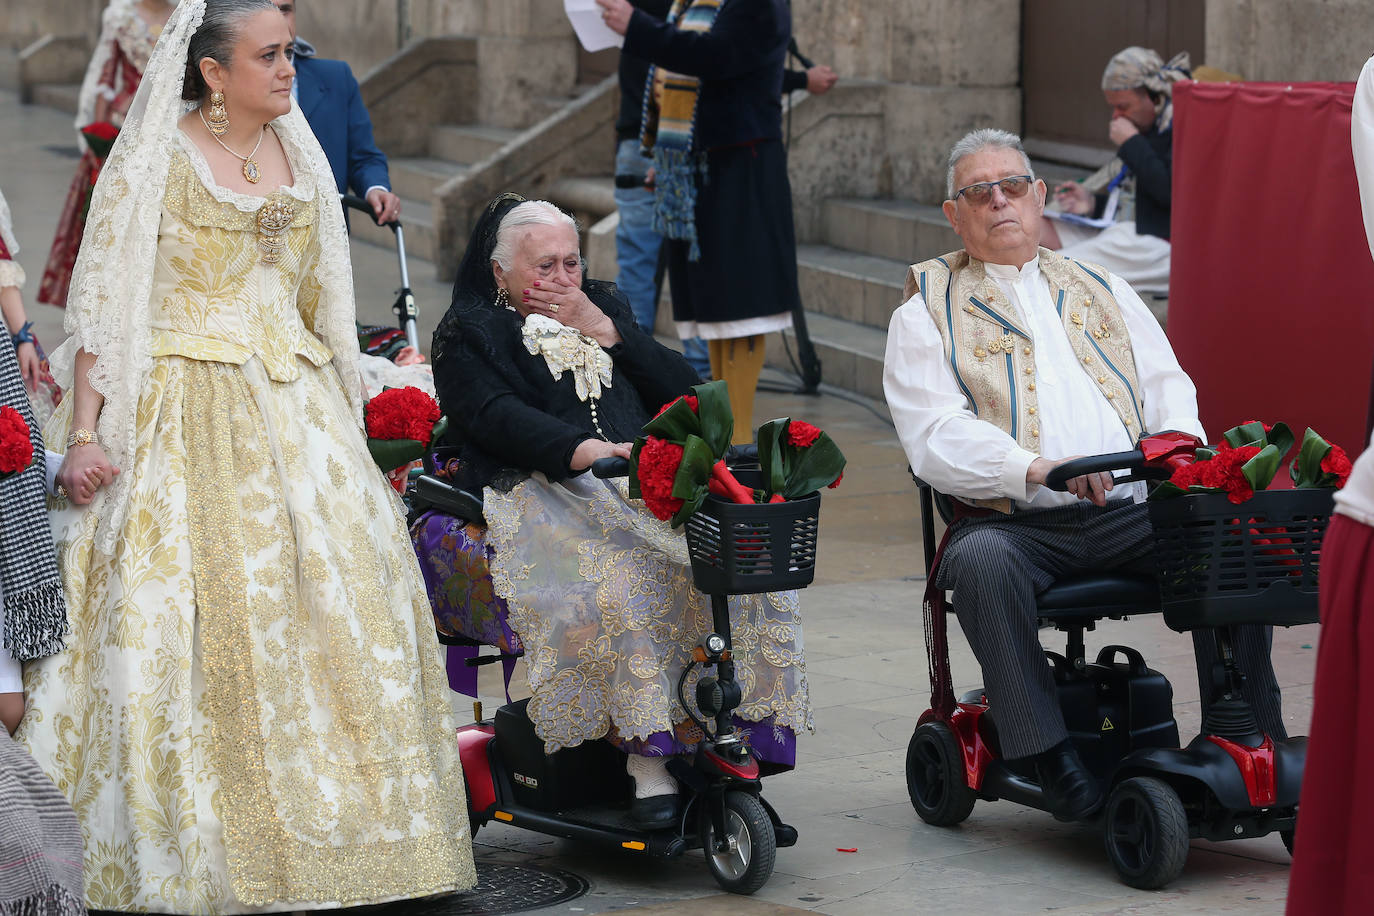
x: 1257, y: 562
x: 744, y: 549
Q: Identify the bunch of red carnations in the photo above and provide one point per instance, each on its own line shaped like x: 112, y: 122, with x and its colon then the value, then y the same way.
x: 16, y: 446
x: 678, y: 458
x: 1247, y: 459
x: 401, y: 423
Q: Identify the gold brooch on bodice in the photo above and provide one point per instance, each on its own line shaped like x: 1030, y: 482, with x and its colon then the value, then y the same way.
x: 274, y: 218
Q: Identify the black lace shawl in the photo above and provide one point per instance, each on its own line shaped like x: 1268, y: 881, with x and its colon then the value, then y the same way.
x: 505, y: 410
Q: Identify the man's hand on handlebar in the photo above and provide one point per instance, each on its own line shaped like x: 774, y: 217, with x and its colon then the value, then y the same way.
x: 1092, y: 487
x: 592, y: 449
x: 385, y: 205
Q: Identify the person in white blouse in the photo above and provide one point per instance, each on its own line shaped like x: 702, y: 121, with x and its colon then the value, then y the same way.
x: 1333, y: 853
x: 1006, y: 360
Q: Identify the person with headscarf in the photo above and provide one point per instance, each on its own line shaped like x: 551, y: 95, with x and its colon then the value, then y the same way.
x: 128, y: 31
x: 252, y: 713
x: 40, y: 840
x: 1139, y: 86
x: 542, y: 371
x: 722, y: 199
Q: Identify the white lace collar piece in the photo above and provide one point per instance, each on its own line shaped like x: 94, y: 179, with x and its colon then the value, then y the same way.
x: 567, y: 349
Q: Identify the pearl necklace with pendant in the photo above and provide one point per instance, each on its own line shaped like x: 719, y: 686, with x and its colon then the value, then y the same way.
x: 251, y: 171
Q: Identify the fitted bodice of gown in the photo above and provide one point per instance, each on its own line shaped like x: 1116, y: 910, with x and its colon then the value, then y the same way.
x: 234, y: 277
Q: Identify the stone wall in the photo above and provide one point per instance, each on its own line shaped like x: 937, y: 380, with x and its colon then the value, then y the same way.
x: 1290, y: 40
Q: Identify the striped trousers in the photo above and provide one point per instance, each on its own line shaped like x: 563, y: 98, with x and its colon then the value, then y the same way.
x: 996, y: 566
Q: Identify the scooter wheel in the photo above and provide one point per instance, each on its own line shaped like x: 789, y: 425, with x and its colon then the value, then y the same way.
x: 935, y: 776
x: 1146, y: 832
x: 747, y: 863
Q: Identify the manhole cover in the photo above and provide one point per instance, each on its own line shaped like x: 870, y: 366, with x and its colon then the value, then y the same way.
x: 503, y: 888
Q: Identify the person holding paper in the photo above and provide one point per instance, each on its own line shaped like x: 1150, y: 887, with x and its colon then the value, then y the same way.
x: 713, y: 119
x: 1138, y: 85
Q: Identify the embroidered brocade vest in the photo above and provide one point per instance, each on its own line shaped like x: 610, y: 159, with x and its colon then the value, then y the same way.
x: 993, y: 355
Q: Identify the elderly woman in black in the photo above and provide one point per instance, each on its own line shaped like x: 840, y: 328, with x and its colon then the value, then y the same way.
x: 541, y: 373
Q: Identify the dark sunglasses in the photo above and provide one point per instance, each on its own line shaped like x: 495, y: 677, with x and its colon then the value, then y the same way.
x: 978, y: 194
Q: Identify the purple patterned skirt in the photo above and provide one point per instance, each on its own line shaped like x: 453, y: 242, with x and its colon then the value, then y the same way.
x: 454, y: 560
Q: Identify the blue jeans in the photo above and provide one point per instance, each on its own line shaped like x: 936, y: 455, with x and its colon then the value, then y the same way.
x: 636, y: 247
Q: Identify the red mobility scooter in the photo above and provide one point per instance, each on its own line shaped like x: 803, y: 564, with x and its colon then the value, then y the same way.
x: 583, y: 792
x: 1216, y: 567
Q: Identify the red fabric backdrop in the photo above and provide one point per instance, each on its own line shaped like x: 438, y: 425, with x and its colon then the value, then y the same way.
x: 1271, y: 297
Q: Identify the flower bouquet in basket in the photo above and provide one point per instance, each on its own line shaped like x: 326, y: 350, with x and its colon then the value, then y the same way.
x: 679, y: 458
x: 750, y: 531
x: 1207, y: 549
x: 16, y: 446
x: 401, y: 423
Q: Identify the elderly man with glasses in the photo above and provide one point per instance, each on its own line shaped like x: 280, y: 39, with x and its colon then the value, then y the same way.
x: 1006, y: 360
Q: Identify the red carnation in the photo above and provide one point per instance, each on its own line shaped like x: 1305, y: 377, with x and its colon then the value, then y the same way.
x: 1338, y: 463
x: 1268, y: 427
x: 402, y: 413
x: 691, y: 400
x: 101, y: 130
x: 832, y: 486
x: 659, y: 461
x: 16, y: 448
x: 802, y: 434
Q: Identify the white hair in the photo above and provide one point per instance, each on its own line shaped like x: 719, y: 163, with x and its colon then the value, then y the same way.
x: 529, y: 213
x: 978, y: 140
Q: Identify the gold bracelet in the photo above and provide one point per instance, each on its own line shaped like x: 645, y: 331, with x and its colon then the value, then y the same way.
x: 82, y: 437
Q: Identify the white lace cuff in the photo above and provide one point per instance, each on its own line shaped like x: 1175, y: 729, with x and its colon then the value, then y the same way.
x: 107, y: 93
x: 11, y: 274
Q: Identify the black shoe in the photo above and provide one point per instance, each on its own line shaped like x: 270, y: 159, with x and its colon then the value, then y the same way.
x: 657, y: 812
x: 1071, y: 792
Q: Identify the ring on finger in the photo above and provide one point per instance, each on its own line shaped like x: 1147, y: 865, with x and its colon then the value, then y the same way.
x: 553, y: 307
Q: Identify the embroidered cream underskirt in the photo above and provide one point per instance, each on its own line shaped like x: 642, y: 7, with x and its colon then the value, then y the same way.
x: 251, y: 713
x: 601, y: 595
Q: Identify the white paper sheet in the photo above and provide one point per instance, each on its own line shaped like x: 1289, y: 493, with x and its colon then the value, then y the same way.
x: 591, y: 30
x: 1102, y: 222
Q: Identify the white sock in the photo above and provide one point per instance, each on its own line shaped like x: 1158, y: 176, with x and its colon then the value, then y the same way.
x: 650, y: 775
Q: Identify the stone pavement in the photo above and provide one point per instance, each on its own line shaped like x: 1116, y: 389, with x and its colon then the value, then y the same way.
x: 867, y: 674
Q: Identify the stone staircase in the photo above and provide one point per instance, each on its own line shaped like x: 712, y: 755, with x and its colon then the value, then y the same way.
x: 453, y: 149
x: 851, y: 279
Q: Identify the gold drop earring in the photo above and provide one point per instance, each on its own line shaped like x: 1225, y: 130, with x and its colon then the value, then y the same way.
x: 218, y: 120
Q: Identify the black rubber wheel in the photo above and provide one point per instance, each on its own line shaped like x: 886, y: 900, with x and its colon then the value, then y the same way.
x: 1146, y: 832
x: 747, y: 864
x: 1287, y: 837
x: 935, y: 776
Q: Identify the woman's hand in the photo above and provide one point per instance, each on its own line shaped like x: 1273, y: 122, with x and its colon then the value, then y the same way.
x: 85, y: 469
x: 591, y: 450
x: 1121, y: 130
x: 29, y: 364
x: 569, y: 306
x: 616, y: 14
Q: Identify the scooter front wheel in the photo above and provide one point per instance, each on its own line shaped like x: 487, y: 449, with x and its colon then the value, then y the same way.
x: 1146, y: 832
x: 744, y: 861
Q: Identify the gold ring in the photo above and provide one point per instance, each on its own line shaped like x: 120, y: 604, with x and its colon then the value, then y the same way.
x: 553, y: 307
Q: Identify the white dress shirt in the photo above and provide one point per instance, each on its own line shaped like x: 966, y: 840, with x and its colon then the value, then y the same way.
x: 958, y: 454
x: 1357, y: 498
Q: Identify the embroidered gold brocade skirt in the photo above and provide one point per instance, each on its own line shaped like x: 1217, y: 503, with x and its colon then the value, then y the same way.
x: 601, y: 594
x: 251, y: 714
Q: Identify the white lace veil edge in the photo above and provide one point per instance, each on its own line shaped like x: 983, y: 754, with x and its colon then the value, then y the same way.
x: 104, y: 50
x: 109, y: 304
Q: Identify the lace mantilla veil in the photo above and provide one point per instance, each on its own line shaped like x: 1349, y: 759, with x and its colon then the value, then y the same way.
x: 108, y: 308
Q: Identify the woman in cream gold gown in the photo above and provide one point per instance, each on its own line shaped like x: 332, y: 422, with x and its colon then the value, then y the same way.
x: 251, y: 715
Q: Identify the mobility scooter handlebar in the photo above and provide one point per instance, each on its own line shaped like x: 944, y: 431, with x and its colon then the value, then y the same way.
x: 1155, y: 457
x: 620, y: 467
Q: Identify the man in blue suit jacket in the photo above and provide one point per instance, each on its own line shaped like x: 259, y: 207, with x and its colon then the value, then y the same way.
x: 329, y: 98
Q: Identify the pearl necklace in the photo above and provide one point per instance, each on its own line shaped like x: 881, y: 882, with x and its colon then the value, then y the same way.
x: 250, y: 165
